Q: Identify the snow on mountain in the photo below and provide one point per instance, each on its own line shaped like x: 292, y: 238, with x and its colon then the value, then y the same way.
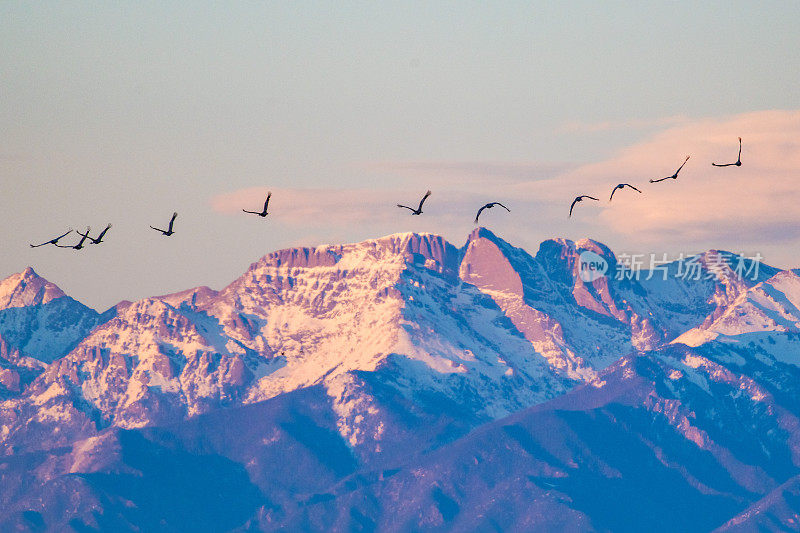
x: 487, y: 326
x: 644, y: 447
x: 38, y: 324
x: 27, y: 288
x: 327, y: 377
x: 770, y: 306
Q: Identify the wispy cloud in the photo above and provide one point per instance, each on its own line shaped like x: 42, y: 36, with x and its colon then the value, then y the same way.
x: 755, y: 203
x: 753, y: 206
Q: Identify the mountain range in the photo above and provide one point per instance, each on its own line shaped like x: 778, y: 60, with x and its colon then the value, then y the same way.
x: 404, y: 383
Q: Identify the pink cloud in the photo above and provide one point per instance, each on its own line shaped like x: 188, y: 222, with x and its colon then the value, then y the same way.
x: 754, y: 201
x: 706, y: 201
x: 749, y: 207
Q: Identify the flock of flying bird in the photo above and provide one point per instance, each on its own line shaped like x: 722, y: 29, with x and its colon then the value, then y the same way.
x: 414, y: 211
x: 581, y: 198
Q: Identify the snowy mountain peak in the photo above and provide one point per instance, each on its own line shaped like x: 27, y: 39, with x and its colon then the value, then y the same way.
x: 27, y: 288
x: 426, y: 249
x: 388, y: 359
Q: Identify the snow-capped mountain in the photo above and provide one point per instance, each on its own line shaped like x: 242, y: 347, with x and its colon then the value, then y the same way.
x: 408, y: 366
x: 38, y: 324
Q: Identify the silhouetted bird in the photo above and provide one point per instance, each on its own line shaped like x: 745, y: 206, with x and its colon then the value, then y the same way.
x: 418, y: 210
x: 674, y: 176
x: 80, y: 243
x: 264, y: 212
x: 52, y: 241
x: 622, y: 186
x: 580, y: 199
x: 738, y: 160
x: 489, y: 206
x: 99, y: 238
x: 168, y: 231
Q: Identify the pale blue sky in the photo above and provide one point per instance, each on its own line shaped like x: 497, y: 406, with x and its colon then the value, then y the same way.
x: 124, y: 112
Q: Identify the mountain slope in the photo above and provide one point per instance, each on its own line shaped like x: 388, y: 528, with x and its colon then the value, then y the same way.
x: 405, y: 383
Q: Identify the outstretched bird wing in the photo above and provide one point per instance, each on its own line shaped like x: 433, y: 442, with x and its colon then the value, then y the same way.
x: 52, y: 241
x: 84, y: 236
x: 680, y: 167
x: 501, y: 205
x: 423, y: 200
x: 571, y: 207
x: 612, y: 193
x: 62, y: 235
x: 479, y: 212
x: 632, y: 187
x: 172, y: 221
x: 158, y: 229
x: 103, y: 233
x: 406, y: 207
x: 266, y: 202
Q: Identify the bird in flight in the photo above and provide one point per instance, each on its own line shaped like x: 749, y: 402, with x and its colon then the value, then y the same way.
x: 674, y: 176
x: 80, y: 243
x: 622, y: 186
x: 580, y: 199
x: 418, y: 210
x: 264, y: 212
x: 738, y: 160
x: 488, y: 206
x: 168, y: 231
x: 99, y: 238
x: 52, y: 241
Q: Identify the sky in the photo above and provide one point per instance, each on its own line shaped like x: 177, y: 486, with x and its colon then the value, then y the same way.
x: 124, y: 112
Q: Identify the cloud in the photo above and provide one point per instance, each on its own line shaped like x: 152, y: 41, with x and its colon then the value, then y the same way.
x: 753, y: 207
x: 754, y: 203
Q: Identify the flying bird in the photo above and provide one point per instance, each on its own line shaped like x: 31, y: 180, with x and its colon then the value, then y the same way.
x: 168, y: 231
x: 80, y: 243
x: 99, y: 238
x: 418, y: 210
x: 622, y: 186
x: 264, y: 212
x: 580, y: 199
x: 52, y: 241
x: 738, y: 160
x: 488, y: 206
x: 674, y: 176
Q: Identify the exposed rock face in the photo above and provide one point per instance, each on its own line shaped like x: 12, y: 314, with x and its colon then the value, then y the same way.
x: 391, y: 352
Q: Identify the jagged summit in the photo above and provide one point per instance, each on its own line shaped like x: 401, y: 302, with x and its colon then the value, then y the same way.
x: 27, y: 288
x: 390, y: 359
